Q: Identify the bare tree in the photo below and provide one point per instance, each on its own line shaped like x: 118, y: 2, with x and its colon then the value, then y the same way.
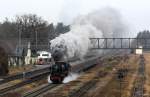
x: 32, y: 27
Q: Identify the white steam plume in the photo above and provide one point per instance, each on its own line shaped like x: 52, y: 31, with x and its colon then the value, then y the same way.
x: 71, y: 77
x: 106, y: 22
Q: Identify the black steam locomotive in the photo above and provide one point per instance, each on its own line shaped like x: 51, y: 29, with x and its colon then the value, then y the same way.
x: 60, y: 69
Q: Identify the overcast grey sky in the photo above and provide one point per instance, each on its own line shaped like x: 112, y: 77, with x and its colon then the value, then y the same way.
x: 135, y: 12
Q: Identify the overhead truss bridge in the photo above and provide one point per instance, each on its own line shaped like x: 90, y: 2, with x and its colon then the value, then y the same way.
x: 120, y: 43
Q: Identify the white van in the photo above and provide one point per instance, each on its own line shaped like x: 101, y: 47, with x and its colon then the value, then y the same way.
x: 43, y: 57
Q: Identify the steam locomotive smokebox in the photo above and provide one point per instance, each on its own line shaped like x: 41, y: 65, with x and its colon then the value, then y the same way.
x: 57, y: 55
x: 3, y: 62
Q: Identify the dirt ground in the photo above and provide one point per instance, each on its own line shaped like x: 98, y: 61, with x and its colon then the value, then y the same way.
x: 110, y: 86
x: 147, y: 72
x: 14, y: 70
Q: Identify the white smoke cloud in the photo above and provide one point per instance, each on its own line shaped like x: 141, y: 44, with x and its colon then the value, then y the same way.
x: 70, y: 77
x: 70, y: 9
x: 106, y: 22
x: 48, y: 79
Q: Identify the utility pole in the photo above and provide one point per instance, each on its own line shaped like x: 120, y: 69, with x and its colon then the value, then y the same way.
x: 36, y: 39
x: 19, y: 37
x: 19, y: 42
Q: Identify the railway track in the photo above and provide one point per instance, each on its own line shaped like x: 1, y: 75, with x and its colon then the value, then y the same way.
x: 22, y: 75
x: 39, y: 91
x: 85, y: 65
x: 84, y: 89
x: 138, y: 89
x: 24, y: 82
x: 79, y: 92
